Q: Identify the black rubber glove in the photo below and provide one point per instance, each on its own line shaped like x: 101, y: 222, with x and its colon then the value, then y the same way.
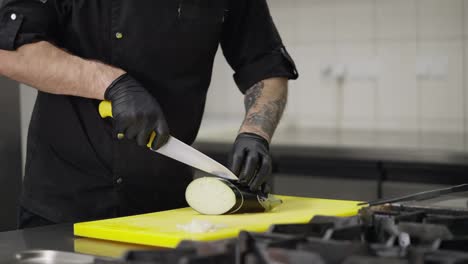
x: 250, y: 160
x: 136, y: 112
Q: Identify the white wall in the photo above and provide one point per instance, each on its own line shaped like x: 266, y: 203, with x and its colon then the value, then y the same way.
x: 404, y: 62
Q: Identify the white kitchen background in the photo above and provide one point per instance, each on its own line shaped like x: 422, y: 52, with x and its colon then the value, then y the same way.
x: 381, y: 66
x: 391, y: 66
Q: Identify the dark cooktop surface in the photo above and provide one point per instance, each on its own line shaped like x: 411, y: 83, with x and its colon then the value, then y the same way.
x: 400, y: 233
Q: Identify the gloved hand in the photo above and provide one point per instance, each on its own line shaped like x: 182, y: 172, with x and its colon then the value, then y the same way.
x: 250, y: 160
x: 136, y: 113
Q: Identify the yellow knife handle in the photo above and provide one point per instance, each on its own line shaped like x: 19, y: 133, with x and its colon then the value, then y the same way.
x: 105, y: 110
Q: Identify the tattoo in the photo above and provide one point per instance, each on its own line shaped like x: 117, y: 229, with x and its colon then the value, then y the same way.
x: 265, y: 116
x: 252, y: 95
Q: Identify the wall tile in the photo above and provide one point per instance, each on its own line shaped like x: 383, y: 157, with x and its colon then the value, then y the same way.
x: 397, y: 107
x: 354, y: 50
x: 358, y: 104
x: 354, y: 20
x: 396, y: 19
x: 315, y: 21
x: 311, y: 99
x: 465, y: 15
x: 440, y: 19
x: 442, y: 98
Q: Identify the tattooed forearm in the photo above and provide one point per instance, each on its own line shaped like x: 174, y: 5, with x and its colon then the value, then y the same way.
x: 252, y: 95
x: 267, y: 119
x: 265, y: 103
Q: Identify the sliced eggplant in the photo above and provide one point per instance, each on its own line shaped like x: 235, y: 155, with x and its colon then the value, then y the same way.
x: 216, y: 196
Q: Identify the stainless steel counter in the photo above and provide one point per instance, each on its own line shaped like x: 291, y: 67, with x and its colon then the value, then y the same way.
x: 57, y: 237
x: 378, y: 157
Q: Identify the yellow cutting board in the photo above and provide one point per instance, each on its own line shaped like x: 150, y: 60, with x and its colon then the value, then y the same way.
x: 161, y: 229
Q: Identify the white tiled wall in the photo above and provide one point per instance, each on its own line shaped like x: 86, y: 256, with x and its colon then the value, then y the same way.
x: 398, y: 91
x: 396, y: 19
x: 440, y: 19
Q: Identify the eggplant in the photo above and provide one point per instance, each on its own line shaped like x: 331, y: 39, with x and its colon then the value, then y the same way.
x: 216, y: 196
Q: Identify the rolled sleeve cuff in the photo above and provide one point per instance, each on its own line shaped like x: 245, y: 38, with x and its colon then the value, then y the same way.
x: 10, y: 24
x: 276, y: 64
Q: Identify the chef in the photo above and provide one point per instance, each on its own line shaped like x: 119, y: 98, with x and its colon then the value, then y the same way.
x: 153, y: 60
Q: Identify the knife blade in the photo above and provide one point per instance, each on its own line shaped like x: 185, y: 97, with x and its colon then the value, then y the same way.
x: 178, y: 150
x: 184, y: 153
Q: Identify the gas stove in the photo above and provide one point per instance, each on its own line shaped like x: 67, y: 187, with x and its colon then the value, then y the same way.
x: 431, y: 231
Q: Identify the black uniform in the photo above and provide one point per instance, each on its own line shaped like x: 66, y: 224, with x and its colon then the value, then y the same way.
x: 76, y: 169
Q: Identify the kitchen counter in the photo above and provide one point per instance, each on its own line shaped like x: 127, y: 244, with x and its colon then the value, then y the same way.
x: 57, y: 237
x: 390, y: 147
x: 432, y: 157
x: 287, y: 136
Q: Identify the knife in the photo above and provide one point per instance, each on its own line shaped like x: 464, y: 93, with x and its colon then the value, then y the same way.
x: 178, y: 150
x: 420, y: 196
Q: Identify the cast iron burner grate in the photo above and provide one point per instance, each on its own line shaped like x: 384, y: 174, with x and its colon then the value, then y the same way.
x: 381, y: 234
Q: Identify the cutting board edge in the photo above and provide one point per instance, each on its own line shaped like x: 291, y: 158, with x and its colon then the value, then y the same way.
x: 170, y: 242
x: 83, y: 230
x: 348, y: 214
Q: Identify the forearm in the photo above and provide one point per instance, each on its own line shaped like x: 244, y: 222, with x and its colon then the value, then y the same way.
x: 265, y: 103
x: 52, y: 70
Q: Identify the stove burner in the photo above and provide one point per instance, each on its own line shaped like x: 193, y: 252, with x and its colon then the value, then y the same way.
x: 382, y: 234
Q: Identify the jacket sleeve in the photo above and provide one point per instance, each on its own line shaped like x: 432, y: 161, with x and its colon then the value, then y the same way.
x: 252, y: 45
x: 29, y: 21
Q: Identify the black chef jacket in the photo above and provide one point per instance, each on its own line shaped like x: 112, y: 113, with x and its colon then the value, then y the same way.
x: 76, y: 169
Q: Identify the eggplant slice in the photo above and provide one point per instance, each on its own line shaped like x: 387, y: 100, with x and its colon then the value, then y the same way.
x: 216, y: 196
x: 210, y: 196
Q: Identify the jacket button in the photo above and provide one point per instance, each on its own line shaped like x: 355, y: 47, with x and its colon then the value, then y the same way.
x: 13, y: 16
x: 119, y: 181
